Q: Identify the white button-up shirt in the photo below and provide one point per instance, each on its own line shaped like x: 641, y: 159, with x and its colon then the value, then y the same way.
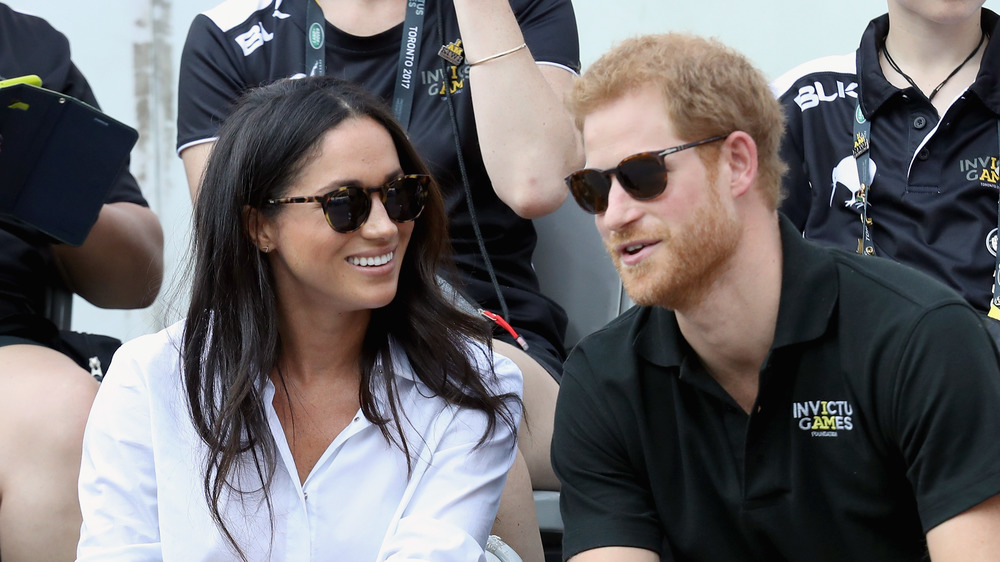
x: 141, y: 481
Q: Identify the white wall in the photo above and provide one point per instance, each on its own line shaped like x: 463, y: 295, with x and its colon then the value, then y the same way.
x: 130, y: 49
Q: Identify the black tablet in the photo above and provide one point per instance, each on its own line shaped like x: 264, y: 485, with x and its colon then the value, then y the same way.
x: 58, y: 159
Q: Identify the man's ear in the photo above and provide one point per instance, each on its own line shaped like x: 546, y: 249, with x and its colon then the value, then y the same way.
x: 258, y: 228
x: 741, y: 157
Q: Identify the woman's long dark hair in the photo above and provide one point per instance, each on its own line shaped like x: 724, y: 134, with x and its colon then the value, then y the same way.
x: 231, y: 342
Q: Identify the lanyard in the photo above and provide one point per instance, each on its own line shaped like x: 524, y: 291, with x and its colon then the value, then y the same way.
x: 315, y: 39
x: 409, y: 53
x: 994, y: 312
x: 862, y: 157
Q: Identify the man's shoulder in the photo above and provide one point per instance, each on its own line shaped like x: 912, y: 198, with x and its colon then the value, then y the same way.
x: 888, y: 284
x: 19, y: 24
x: 231, y: 14
x: 246, y: 27
x: 886, y: 300
x: 818, y: 82
x: 25, y: 37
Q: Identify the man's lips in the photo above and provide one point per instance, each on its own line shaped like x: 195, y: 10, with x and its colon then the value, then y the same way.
x: 633, y: 252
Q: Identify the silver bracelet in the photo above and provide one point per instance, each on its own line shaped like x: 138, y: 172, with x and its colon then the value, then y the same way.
x: 498, y: 55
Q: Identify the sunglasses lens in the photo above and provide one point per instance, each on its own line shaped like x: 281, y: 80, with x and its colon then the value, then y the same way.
x: 643, y: 176
x: 405, y: 198
x: 347, y: 209
x: 590, y: 189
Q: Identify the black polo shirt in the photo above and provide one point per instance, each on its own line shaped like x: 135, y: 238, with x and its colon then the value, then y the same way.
x: 242, y: 44
x: 869, y: 428
x: 29, y: 45
x: 934, y: 194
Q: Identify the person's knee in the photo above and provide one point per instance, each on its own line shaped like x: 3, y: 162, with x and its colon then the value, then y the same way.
x: 535, y: 434
x: 45, y: 399
x: 516, y: 522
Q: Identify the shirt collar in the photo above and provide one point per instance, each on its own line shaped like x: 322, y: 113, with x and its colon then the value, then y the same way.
x: 809, y: 288
x: 987, y: 84
x: 809, y: 294
x: 876, y: 90
x: 401, y: 369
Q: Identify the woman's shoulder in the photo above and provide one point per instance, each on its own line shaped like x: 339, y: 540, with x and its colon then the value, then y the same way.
x: 147, y: 358
x: 499, y: 373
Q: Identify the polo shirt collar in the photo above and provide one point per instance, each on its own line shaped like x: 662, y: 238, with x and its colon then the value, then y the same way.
x: 809, y: 294
x: 987, y: 84
x: 876, y: 90
x: 809, y: 288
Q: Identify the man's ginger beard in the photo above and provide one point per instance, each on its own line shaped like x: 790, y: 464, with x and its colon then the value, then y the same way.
x: 690, y: 257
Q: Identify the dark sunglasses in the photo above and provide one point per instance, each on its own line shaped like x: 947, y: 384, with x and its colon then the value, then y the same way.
x: 347, y: 208
x: 643, y: 176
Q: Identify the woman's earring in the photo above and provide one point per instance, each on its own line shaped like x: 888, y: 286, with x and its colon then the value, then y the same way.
x: 266, y: 248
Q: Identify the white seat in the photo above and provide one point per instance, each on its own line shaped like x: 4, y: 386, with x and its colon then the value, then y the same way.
x: 575, y: 271
x: 547, y: 508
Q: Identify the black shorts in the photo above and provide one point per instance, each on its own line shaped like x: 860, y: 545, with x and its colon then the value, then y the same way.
x: 78, y: 346
x: 15, y: 340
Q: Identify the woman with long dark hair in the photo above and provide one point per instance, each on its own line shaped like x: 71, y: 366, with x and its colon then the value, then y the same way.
x: 322, y: 399
x: 478, y: 85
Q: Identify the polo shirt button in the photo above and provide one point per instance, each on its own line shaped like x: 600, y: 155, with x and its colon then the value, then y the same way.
x: 923, y: 154
x: 919, y: 122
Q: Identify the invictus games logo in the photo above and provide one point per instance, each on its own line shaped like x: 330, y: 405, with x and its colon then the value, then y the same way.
x: 983, y: 169
x: 991, y: 242
x: 451, y: 78
x: 824, y: 418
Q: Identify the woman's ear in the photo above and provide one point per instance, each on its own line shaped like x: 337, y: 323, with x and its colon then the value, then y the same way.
x: 258, y: 228
x: 741, y: 151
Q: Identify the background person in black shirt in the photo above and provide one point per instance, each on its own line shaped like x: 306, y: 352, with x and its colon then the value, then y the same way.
x: 45, y: 387
x: 924, y: 79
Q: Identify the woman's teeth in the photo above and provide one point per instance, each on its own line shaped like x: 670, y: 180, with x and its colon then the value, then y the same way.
x: 372, y: 261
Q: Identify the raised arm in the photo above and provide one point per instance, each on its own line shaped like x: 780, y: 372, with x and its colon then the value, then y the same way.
x: 195, y: 158
x: 120, y: 264
x: 529, y: 141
